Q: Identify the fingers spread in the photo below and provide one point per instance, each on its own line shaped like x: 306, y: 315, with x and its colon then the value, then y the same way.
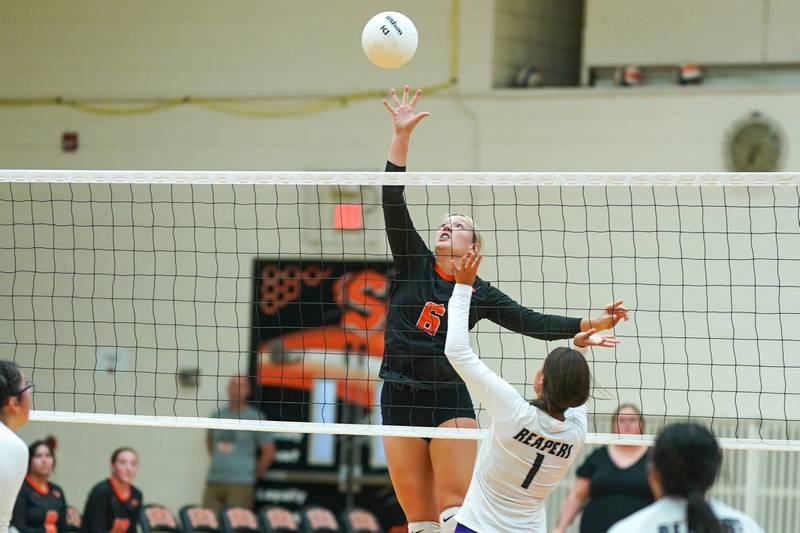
x: 416, y: 97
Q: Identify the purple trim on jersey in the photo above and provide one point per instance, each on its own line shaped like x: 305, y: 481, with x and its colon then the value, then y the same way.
x: 461, y: 528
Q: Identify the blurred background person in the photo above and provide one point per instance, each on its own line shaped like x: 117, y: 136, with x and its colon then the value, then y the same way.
x: 16, y: 396
x: 115, y: 503
x: 41, y: 506
x: 612, y: 483
x: 684, y: 464
x: 238, y: 458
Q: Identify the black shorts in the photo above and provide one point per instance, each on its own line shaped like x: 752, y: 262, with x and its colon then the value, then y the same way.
x: 403, y: 404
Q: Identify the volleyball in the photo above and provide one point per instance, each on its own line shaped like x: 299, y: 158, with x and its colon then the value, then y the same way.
x: 389, y: 39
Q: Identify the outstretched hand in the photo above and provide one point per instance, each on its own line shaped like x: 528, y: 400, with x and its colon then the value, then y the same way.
x: 592, y: 338
x: 404, y: 117
x: 615, y: 312
x: 465, y: 270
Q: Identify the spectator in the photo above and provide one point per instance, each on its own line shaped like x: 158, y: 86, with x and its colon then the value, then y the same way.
x: 613, y: 480
x: 114, y: 504
x: 16, y: 395
x: 41, y: 506
x: 238, y: 458
x: 684, y: 464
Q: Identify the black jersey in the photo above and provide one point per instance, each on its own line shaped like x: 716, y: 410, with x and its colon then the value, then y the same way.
x: 107, y: 512
x: 416, y: 325
x: 40, y: 509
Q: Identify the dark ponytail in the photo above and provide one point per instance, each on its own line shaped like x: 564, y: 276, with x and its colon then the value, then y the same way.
x: 699, y: 516
x: 10, y: 382
x: 687, y: 459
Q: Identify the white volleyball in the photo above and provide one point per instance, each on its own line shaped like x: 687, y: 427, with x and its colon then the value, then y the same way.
x: 389, y: 39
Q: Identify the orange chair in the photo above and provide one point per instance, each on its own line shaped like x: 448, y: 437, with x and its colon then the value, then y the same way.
x: 276, y: 519
x: 360, y: 521
x: 196, y: 519
x: 158, y: 519
x: 316, y: 519
x: 238, y: 520
x: 73, y: 519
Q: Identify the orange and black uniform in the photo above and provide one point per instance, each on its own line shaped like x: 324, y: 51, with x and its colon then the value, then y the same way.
x: 40, y: 509
x: 109, y: 510
x: 421, y: 388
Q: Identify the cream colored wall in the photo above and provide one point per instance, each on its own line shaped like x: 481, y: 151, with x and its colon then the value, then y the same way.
x: 172, y: 462
x: 251, y: 48
x: 548, y: 130
x: 649, y: 32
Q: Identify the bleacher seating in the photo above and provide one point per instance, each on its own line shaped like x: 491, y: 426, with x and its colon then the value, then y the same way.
x: 275, y: 519
x: 156, y: 518
x: 196, y: 519
x: 238, y: 520
x: 73, y: 519
x: 315, y: 519
x: 360, y: 521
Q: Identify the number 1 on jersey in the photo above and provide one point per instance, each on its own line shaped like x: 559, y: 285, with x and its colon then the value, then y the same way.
x: 537, y: 464
x: 430, y: 318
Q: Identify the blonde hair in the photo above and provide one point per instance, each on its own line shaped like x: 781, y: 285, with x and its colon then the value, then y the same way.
x: 477, y: 237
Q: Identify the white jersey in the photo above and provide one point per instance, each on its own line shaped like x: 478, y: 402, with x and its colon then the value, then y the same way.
x: 13, y: 466
x: 669, y: 514
x: 527, y: 451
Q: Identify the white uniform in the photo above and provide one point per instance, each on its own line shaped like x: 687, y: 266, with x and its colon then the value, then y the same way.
x: 13, y: 466
x: 669, y: 515
x: 527, y: 451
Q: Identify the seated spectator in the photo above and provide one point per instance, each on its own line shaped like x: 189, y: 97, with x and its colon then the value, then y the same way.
x: 114, y: 504
x: 41, y: 506
x: 238, y: 458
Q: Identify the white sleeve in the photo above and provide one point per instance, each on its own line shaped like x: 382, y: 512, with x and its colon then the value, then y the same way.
x: 497, y: 395
x: 578, y: 414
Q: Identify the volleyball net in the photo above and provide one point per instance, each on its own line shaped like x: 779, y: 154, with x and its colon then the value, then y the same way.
x: 134, y: 297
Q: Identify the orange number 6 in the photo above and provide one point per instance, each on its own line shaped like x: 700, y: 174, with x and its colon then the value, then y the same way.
x: 430, y: 318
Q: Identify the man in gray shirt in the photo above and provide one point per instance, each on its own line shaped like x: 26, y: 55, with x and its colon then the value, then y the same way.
x: 238, y: 458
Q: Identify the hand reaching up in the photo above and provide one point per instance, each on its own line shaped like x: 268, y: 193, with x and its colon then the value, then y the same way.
x: 404, y: 117
x: 465, y: 270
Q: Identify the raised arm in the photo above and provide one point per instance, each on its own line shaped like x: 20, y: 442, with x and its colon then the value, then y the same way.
x: 505, y: 311
x: 496, y: 394
x: 404, y: 240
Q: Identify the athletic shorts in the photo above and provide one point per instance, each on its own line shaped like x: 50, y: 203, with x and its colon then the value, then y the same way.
x: 461, y: 528
x: 403, y: 404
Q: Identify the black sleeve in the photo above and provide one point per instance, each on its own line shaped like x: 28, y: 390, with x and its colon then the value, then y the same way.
x: 137, y: 514
x: 19, y: 517
x: 404, y: 241
x: 589, y: 466
x: 62, y: 513
x: 504, y: 311
x: 94, y: 514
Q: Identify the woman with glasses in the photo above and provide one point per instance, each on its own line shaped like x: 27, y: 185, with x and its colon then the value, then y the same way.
x: 16, y: 396
x: 40, y: 507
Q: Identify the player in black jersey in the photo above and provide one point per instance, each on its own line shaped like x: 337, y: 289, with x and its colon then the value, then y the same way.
x: 420, y: 386
x: 114, y: 504
x: 41, y: 506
